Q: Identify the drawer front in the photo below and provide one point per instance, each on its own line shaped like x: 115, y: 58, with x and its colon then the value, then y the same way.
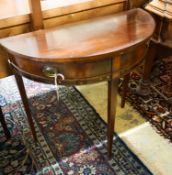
x: 68, y: 73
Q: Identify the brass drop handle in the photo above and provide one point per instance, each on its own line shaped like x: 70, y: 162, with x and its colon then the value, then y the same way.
x: 60, y: 77
x: 49, y: 71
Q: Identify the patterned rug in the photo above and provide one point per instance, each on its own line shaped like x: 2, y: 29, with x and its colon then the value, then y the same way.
x: 156, y: 107
x: 71, y: 136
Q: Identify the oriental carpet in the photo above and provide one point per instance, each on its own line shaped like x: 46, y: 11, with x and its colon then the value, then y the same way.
x: 157, y: 106
x: 71, y: 135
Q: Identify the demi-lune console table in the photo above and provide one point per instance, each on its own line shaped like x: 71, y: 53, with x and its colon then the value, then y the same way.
x: 98, y: 49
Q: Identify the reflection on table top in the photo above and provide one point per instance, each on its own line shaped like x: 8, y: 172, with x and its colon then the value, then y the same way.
x: 87, y: 38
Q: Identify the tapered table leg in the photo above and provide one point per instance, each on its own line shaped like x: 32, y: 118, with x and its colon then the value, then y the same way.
x: 112, y: 101
x: 24, y: 98
x: 2, y: 120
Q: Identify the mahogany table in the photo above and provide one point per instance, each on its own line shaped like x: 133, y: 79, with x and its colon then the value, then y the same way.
x: 98, y: 49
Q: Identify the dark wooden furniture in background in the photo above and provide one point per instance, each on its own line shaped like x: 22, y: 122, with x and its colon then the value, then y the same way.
x: 99, y: 49
x: 161, y: 43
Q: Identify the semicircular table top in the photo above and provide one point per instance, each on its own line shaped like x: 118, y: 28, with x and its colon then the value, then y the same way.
x: 88, y: 38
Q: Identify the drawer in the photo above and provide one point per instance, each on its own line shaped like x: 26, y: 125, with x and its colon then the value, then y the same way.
x: 73, y: 73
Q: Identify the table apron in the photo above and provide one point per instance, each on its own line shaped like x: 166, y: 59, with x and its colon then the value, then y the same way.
x: 81, y: 72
